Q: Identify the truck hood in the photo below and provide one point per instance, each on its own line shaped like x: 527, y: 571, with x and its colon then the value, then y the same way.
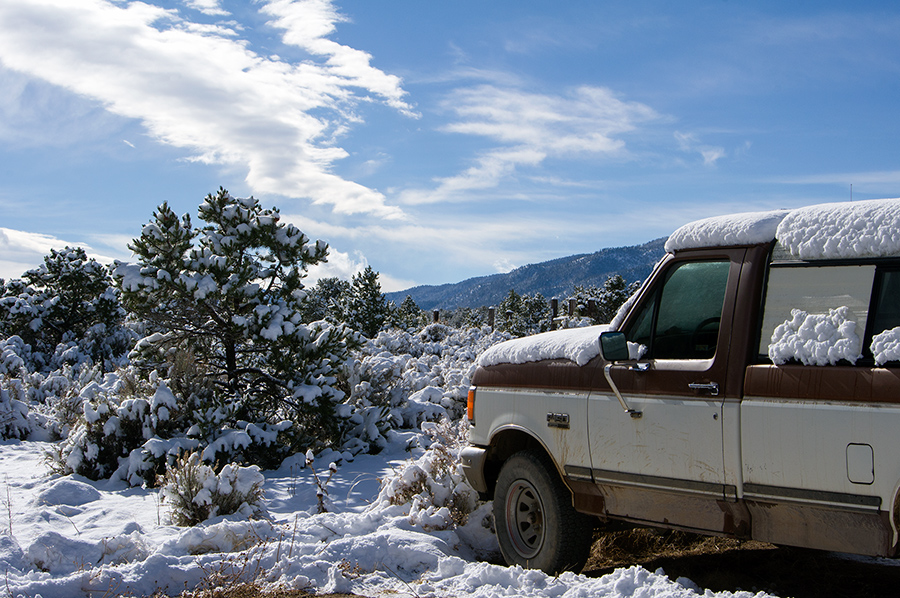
x: 578, y: 345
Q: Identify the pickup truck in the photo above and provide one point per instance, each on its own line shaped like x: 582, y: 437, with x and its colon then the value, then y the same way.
x: 750, y: 389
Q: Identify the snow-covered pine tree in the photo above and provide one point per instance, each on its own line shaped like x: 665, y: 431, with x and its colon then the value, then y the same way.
x: 367, y: 309
x: 66, y: 310
x: 522, y: 315
x: 410, y: 315
x: 608, y: 298
x: 326, y: 300
x: 230, y: 295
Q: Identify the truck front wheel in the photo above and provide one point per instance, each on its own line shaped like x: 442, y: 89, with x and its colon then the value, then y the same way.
x: 537, y: 527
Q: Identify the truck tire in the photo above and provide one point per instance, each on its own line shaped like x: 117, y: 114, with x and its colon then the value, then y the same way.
x: 537, y: 527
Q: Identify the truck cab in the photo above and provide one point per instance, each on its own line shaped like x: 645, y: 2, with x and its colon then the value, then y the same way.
x: 749, y: 389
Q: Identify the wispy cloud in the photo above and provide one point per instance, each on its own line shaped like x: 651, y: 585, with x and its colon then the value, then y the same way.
x: 883, y: 177
x: 34, y: 113
x: 529, y: 128
x: 308, y: 23
x: 485, y: 244
x: 689, y: 143
x: 202, y: 88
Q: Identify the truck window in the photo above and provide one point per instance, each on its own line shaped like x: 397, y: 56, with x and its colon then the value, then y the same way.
x: 681, y: 320
x: 815, y: 290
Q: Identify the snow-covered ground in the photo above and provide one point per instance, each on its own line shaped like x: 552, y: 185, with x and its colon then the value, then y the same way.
x: 392, y: 521
x: 392, y: 525
x: 69, y: 536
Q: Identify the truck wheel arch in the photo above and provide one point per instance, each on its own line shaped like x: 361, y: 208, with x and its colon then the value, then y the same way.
x: 504, y: 444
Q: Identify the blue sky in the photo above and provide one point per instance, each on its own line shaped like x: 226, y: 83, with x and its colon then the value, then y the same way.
x: 438, y: 141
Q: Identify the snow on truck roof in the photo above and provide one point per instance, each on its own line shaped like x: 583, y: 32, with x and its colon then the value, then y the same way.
x: 826, y: 231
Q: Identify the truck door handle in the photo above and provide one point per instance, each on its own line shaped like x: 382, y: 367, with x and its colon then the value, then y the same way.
x: 712, y: 387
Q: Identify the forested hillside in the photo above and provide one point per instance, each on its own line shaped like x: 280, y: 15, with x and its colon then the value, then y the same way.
x: 552, y: 279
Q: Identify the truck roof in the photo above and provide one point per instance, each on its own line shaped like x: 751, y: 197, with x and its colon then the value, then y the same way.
x: 846, y: 230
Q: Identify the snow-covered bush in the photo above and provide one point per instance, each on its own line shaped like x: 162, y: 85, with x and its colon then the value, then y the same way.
x: 52, y: 400
x: 195, y: 492
x: 401, y: 380
x: 229, y: 294
x: 434, y: 485
x: 816, y: 339
x: 14, y: 354
x: 14, y: 421
x: 107, y: 432
x: 125, y: 435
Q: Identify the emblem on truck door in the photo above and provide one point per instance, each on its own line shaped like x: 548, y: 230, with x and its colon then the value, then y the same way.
x: 558, y: 420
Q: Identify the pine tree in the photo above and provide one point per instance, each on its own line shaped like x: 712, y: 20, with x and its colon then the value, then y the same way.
x: 327, y: 300
x: 367, y: 308
x: 410, y: 315
x: 69, y: 301
x: 607, y: 298
x: 230, y: 295
x: 522, y: 315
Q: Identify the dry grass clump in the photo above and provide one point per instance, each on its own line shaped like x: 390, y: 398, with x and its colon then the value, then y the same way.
x: 641, y: 545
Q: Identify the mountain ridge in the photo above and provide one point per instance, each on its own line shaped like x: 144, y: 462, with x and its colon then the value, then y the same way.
x: 555, y: 278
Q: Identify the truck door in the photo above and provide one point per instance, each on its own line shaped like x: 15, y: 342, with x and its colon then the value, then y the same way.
x: 670, y: 445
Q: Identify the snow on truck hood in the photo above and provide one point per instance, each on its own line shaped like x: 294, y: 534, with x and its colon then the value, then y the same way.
x: 575, y: 344
x: 826, y: 231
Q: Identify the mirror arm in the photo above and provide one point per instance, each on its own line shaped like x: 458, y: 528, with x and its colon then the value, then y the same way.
x: 632, y: 412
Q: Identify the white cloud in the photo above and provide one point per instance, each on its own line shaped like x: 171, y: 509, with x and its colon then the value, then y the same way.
x: 390, y: 284
x: 503, y: 266
x: 23, y: 251
x: 530, y: 128
x: 207, y: 7
x: 202, y: 88
x: 339, y: 265
x: 345, y: 266
x: 307, y: 23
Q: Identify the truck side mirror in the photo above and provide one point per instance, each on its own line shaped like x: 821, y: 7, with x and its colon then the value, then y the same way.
x: 613, y: 346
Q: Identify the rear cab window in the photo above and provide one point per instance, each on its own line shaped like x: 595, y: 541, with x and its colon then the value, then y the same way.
x: 829, y: 312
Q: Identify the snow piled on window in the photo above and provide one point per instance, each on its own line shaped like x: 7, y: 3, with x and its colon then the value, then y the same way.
x: 886, y: 346
x: 575, y: 344
x: 749, y: 228
x: 816, y: 339
x: 843, y: 230
x: 826, y: 231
